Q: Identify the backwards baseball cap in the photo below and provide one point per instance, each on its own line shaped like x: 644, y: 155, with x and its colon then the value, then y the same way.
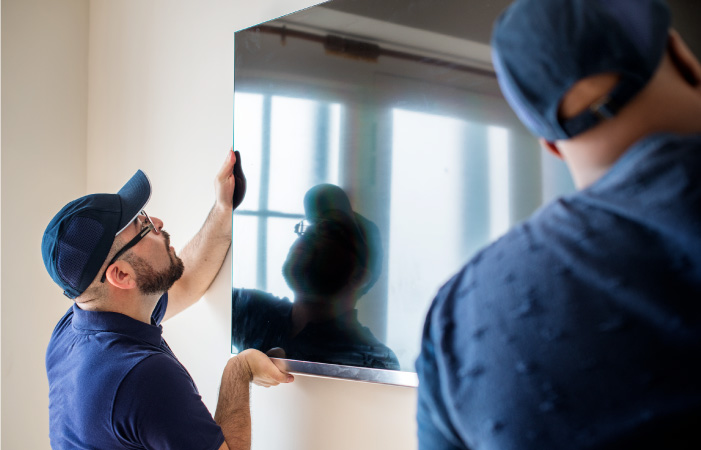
x: 78, y: 239
x: 541, y: 48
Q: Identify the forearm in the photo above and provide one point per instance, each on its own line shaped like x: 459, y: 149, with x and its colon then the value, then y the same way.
x: 206, y: 250
x: 233, y: 413
x: 202, y: 257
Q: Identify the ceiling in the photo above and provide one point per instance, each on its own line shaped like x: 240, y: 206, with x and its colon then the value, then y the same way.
x: 465, y: 19
x: 472, y: 19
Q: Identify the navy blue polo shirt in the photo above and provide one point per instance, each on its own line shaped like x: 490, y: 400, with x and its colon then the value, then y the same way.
x: 114, y: 383
x: 581, y: 327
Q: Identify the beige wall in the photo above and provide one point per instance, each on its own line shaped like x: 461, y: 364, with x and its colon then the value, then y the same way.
x: 91, y: 92
x: 44, y: 127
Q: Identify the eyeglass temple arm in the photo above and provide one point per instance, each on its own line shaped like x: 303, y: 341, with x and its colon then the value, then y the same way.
x: 133, y: 242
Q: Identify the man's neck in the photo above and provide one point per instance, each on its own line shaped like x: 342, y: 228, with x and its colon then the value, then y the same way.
x: 666, y: 105
x: 137, y: 306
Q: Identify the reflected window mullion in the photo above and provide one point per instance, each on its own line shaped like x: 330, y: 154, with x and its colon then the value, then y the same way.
x: 321, y: 156
x: 262, y: 270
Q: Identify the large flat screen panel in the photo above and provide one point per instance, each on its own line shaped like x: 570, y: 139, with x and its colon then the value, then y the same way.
x: 387, y: 118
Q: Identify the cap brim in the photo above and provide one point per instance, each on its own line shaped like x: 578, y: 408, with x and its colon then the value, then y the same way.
x: 134, y: 196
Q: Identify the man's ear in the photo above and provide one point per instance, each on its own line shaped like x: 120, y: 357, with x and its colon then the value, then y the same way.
x: 120, y: 274
x: 684, y: 60
x: 551, y: 147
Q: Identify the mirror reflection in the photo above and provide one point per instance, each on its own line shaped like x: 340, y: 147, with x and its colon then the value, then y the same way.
x: 334, y: 261
x: 377, y: 131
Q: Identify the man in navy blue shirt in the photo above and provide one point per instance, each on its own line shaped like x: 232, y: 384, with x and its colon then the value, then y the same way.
x: 113, y: 380
x: 581, y: 327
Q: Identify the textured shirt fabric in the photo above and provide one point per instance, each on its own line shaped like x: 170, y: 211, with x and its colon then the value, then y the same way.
x: 262, y: 321
x: 581, y: 327
x: 115, y: 384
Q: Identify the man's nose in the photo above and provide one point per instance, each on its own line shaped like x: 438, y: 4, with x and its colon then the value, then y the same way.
x: 158, y: 223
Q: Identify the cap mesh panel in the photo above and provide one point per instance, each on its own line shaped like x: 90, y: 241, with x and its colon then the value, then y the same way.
x: 75, y: 247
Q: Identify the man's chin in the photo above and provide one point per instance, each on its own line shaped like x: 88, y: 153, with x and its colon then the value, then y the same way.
x: 160, y: 283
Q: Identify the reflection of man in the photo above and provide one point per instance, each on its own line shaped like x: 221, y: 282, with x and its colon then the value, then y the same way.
x: 329, y: 267
x: 113, y: 380
x: 581, y: 328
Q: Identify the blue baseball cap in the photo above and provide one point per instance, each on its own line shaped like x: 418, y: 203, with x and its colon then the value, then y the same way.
x: 541, y: 48
x: 328, y: 201
x: 78, y: 239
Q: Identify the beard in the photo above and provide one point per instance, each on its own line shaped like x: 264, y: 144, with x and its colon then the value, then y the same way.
x: 148, y: 280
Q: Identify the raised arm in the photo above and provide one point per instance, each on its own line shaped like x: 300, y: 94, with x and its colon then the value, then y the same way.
x: 204, y: 254
x: 233, y: 412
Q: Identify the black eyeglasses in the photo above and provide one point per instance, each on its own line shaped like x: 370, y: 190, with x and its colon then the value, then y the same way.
x: 325, y: 228
x: 301, y: 227
x: 146, y: 229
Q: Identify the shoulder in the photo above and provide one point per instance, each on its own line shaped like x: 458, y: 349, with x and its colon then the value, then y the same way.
x: 64, y: 323
x: 259, y: 319
x: 253, y: 299
x: 61, y: 327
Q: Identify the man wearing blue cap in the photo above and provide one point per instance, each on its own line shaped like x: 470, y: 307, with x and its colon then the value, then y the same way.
x: 335, y: 260
x: 113, y: 380
x: 581, y: 327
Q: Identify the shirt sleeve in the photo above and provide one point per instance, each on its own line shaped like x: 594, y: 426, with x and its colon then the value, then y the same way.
x: 435, y: 431
x: 157, y: 406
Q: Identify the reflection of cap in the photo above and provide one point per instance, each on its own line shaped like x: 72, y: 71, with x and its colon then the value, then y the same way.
x: 323, y: 199
x: 542, y: 47
x: 79, y: 237
x: 330, y: 202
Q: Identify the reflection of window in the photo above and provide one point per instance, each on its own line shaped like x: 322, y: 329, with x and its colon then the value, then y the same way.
x: 454, y: 183
x: 420, y: 158
x: 430, y: 182
x: 451, y: 194
x: 499, y: 181
x: 286, y: 141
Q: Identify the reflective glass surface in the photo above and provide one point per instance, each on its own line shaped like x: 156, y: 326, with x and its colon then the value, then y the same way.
x: 387, y: 118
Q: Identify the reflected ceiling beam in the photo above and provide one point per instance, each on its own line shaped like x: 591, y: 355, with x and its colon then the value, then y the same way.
x: 364, y: 50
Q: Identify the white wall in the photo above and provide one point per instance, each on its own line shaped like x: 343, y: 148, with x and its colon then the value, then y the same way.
x: 161, y: 99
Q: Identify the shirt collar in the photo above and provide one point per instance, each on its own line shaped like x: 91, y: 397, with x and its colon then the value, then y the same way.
x: 102, y: 321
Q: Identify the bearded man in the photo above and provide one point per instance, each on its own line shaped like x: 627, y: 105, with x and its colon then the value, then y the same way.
x: 113, y: 381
